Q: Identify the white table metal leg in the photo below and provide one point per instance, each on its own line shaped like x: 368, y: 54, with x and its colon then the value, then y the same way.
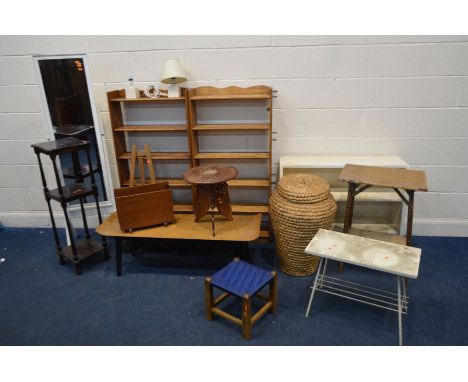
x: 314, y: 287
x: 400, y: 329
x: 323, y: 273
x: 403, y: 284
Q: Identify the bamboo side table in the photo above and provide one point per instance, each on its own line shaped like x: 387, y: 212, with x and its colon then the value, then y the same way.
x: 361, y: 178
x: 211, y: 191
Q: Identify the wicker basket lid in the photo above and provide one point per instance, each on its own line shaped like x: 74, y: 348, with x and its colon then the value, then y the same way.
x: 303, y: 188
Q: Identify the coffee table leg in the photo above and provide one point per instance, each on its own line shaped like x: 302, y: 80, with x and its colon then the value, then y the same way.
x: 118, y: 255
x: 400, y: 329
x: 314, y: 287
x: 246, y: 251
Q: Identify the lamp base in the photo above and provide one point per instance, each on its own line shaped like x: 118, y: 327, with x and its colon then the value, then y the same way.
x: 173, y: 91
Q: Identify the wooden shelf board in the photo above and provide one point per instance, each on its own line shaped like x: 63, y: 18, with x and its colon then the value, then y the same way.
x: 250, y: 208
x: 229, y: 97
x: 183, y: 207
x: 225, y: 155
x: 172, y: 182
x: 151, y: 128
x: 231, y: 127
x: 236, y: 208
x: 160, y: 155
x: 368, y: 196
x: 71, y: 192
x: 264, y: 234
x: 249, y: 183
x: 146, y: 99
x: 337, y: 162
x: 84, y: 249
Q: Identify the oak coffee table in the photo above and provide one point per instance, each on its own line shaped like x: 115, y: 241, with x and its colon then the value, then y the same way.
x: 399, y: 260
x: 242, y: 230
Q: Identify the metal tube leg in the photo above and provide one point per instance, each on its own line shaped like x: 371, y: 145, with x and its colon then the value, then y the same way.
x: 314, y: 287
x: 400, y: 329
x: 323, y: 273
x: 403, y: 284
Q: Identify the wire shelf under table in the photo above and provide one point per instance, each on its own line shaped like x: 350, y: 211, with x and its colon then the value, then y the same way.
x: 362, y: 293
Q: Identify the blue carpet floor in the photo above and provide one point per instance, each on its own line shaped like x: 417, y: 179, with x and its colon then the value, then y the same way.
x: 159, y: 300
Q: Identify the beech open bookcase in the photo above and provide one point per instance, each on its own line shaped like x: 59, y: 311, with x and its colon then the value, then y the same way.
x: 196, y: 103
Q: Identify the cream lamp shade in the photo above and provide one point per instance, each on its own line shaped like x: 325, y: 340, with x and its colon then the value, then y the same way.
x: 173, y: 72
x: 172, y: 75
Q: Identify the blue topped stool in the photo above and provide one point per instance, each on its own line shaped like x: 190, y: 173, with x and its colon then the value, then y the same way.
x: 243, y: 280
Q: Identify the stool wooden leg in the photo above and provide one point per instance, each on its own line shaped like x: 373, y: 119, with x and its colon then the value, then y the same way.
x: 247, y: 317
x: 208, y: 298
x: 272, y: 296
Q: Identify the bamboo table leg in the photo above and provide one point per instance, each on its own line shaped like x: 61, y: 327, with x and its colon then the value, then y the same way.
x: 349, y: 208
x: 348, y: 220
x: 409, y: 222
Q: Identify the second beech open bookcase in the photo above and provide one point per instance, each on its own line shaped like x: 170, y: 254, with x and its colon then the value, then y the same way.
x: 197, y: 104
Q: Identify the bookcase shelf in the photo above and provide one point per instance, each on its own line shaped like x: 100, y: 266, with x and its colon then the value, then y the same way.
x: 214, y: 97
x: 261, y: 97
x: 236, y: 208
x: 151, y: 128
x: 225, y: 155
x: 176, y: 183
x: 234, y: 95
x: 230, y: 127
x: 160, y: 155
x: 142, y: 99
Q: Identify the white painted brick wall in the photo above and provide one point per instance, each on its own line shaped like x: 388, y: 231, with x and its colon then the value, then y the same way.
x: 343, y: 95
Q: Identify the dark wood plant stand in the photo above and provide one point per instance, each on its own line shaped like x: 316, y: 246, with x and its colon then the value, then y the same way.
x: 77, y: 171
x: 78, y: 250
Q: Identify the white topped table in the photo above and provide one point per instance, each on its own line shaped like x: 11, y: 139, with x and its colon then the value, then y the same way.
x: 400, y: 260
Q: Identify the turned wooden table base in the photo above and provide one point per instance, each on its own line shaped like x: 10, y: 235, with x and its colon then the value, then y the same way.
x: 211, y: 191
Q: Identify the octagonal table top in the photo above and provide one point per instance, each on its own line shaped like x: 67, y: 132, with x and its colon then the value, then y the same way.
x: 210, y: 174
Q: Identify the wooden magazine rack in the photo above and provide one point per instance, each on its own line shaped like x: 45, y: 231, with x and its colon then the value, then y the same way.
x: 143, y: 205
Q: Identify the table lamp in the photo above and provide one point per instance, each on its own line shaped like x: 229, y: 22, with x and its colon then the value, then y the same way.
x: 173, y: 74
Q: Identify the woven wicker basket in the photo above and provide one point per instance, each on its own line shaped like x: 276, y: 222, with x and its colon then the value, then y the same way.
x: 300, y: 206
